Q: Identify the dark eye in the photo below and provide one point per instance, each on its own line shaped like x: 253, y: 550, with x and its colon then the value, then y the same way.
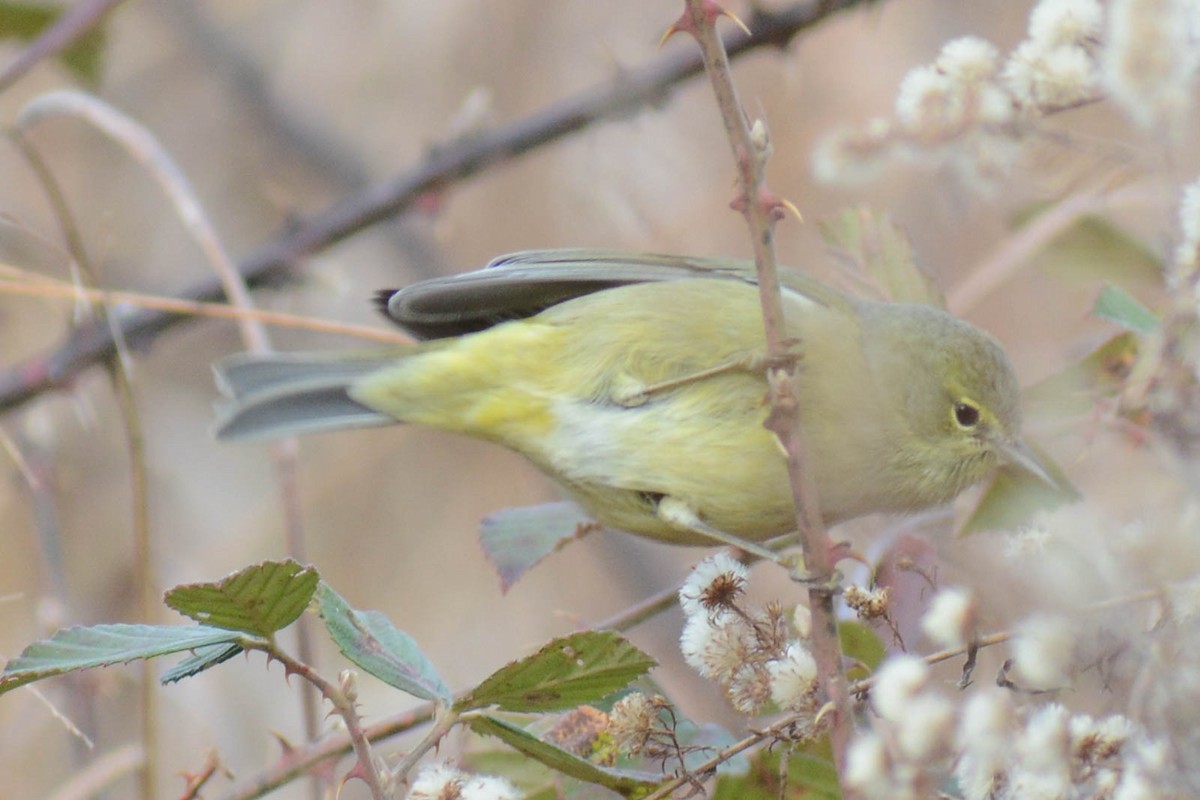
x: 966, y: 415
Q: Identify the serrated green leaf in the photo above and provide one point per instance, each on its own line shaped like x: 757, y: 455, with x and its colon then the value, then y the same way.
x: 861, y: 643
x: 881, y: 253
x: 1117, y: 305
x: 79, y: 648
x: 567, y: 672
x: 26, y: 21
x: 624, y: 782
x: 260, y: 599
x: 1012, y: 497
x: 369, y: 639
x: 809, y: 777
x: 515, y: 539
x: 204, y: 658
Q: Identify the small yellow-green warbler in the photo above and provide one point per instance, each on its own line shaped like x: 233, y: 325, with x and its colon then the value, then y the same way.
x: 636, y: 382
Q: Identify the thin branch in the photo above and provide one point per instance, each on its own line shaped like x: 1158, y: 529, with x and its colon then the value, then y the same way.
x: 761, y: 209
x: 143, y: 569
x: 445, y: 166
x: 114, y: 300
x: 367, y: 769
x: 1017, y: 251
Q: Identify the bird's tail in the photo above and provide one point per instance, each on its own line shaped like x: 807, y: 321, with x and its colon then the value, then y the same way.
x: 283, y: 394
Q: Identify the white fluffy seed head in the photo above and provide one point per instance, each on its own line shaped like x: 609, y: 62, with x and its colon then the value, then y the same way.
x: 950, y: 620
x: 1042, y: 650
x: 899, y: 680
x: 924, y: 732
x: 969, y: 59
x: 792, y: 677
x: 1151, y: 58
x: 1043, y: 745
x: 985, y: 727
x: 437, y: 782
x: 714, y: 645
x: 1059, y: 22
x: 867, y: 768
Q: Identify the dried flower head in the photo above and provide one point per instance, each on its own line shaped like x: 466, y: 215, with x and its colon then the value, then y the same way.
x: 868, y: 604
x: 714, y: 584
x: 715, y: 646
x: 578, y: 730
x: 632, y: 722
x: 437, y: 782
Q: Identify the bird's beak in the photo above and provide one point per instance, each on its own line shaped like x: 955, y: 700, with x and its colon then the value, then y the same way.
x: 1017, y: 453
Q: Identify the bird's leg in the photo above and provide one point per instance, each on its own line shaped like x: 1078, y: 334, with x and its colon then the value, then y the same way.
x: 635, y: 393
x: 683, y: 517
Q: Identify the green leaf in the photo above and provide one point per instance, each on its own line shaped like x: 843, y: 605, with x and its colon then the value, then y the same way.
x: 1098, y: 375
x: 1093, y: 249
x: 625, y: 782
x: 861, y: 643
x: 515, y: 539
x: 1013, y: 497
x: 369, y: 639
x: 1117, y: 305
x: 569, y: 671
x: 881, y: 252
x: 204, y: 658
x: 79, y: 648
x: 26, y: 21
x: 260, y: 599
x: 810, y: 776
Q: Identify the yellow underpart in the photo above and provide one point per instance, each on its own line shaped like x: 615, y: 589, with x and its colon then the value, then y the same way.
x: 494, y: 385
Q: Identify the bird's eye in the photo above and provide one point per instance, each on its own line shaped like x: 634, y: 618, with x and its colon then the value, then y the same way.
x: 966, y: 415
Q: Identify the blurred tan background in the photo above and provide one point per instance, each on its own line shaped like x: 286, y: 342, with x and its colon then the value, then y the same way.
x: 392, y: 516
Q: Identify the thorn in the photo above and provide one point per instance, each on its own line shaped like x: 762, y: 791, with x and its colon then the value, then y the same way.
x: 711, y: 11
x: 287, y: 747
x: 737, y: 21
x: 790, y: 206
x: 828, y: 708
x: 669, y: 32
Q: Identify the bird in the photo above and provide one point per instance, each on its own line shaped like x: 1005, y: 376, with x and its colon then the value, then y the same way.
x: 636, y: 383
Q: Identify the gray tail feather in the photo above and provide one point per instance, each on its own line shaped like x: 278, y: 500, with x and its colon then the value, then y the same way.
x: 284, y: 394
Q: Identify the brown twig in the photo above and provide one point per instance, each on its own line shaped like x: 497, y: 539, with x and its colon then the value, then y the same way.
x: 366, y: 768
x: 761, y: 209
x: 444, y: 166
x: 113, y: 299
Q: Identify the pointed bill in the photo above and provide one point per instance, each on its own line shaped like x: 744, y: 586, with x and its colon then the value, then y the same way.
x: 1016, y: 452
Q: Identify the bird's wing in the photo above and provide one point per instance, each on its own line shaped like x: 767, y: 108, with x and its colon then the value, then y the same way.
x: 522, y: 284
